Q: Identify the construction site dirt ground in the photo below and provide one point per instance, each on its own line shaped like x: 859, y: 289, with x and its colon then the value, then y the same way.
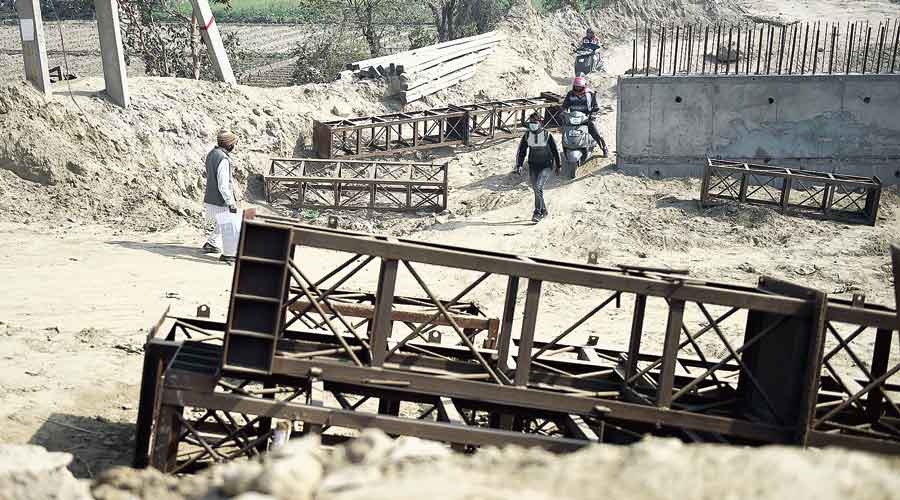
x: 98, y: 238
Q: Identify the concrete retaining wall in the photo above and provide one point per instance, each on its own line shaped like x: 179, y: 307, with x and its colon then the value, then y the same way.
x: 667, y: 126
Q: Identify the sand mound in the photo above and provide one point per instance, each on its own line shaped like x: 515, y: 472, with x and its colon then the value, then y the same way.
x: 375, y: 467
x: 143, y: 166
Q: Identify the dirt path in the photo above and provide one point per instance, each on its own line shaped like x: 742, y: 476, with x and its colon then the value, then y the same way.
x: 72, y: 326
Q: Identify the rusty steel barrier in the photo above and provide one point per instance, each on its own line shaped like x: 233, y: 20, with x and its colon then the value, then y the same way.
x: 357, y: 184
x: 775, y: 363
x: 416, y: 130
x: 837, y: 196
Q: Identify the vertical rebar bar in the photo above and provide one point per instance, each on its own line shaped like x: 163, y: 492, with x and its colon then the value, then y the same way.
x: 675, y: 49
x: 831, y: 54
x: 781, y: 47
x: 634, y: 50
x: 671, y: 49
x: 859, y: 48
x: 718, y: 48
x: 648, y: 49
x: 769, y: 50
x: 851, y: 42
x: 805, y: 43
x: 847, y: 45
x: 690, y: 49
x: 896, y: 42
x: 881, y: 30
x: 816, y: 49
x: 860, y: 51
x: 750, y: 30
x: 790, y: 67
x: 728, y: 51
x: 866, y: 50
x: 845, y: 36
x: 850, y: 48
x: 703, y: 55
x: 659, y: 48
x: 846, y: 42
x: 759, y: 48
x: 737, y: 51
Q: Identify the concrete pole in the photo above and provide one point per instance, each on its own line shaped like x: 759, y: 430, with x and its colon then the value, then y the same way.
x: 213, y: 40
x: 114, y: 73
x: 34, y: 50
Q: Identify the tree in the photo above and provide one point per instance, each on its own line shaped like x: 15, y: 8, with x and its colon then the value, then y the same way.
x: 367, y: 16
x: 444, y: 13
x: 322, y: 55
x: 459, y: 18
x: 370, y: 18
x: 167, y: 40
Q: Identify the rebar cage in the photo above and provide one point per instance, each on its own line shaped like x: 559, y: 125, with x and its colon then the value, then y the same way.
x: 822, y: 47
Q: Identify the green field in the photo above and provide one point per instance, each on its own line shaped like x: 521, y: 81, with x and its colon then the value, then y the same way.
x: 282, y: 11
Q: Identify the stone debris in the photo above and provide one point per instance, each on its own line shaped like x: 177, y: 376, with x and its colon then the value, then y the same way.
x: 375, y: 467
x: 29, y: 472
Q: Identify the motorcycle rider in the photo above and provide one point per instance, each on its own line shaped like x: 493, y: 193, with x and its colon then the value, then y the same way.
x: 580, y: 98
x: 540, y: 147
x: 590, y: 39
x: 591, y: 43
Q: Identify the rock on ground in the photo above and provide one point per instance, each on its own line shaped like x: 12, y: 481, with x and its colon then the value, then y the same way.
x: 29, y: 472
x: 378, y: 468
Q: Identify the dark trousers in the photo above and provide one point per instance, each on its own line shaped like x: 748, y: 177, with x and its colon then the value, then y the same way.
x: 592, y: 129
x: 537, y: 177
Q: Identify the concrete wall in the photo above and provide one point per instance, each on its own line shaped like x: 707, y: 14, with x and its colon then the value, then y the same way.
x: 667, y: 126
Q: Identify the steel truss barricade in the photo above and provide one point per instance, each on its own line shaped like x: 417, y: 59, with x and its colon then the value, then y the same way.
x: 775, y: 363
x: 835, y: 196
x: 416, y: 130
x: 357, y: 184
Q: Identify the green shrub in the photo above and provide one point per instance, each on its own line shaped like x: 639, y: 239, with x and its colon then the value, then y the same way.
x: 322, y: 56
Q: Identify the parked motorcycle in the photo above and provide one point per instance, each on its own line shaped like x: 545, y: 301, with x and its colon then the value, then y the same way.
x: 587, y: 59
x: 578, y: 145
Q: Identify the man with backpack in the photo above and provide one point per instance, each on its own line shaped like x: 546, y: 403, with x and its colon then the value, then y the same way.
x: 580, y: 98
x: 540, y: 148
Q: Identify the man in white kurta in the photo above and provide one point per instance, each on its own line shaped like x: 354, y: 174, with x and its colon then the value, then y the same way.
x: 219, y: 195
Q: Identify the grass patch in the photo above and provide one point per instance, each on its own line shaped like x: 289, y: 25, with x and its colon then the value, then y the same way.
x: 264, y: 11
x: 283, y: 11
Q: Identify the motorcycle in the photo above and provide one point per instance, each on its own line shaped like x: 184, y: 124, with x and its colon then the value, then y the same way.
x: 587, y: 59
x: 578, y: 145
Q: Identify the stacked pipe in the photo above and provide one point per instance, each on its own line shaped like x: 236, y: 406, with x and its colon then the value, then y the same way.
x: 417, y: 73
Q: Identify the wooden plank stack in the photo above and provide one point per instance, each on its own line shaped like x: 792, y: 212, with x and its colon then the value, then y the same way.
x: 417, y: 73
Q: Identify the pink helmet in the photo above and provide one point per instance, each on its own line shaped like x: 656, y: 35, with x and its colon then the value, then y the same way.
x: 579, y: 84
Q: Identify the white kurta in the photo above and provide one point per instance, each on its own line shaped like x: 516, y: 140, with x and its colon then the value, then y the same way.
x: 223, y: 179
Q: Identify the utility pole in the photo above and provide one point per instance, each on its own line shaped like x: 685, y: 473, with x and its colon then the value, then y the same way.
x: 34, y: 49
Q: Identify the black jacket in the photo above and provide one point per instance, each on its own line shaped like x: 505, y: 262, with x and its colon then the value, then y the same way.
x: 538, y: 157
x: 580, y: 102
